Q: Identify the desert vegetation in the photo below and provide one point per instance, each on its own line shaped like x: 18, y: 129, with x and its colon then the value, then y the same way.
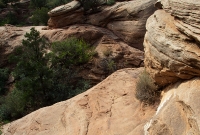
x: 146, y: 90
x: 44, y: 74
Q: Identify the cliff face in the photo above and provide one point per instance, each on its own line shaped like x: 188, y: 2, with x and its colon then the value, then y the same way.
x: 172, y: 53
x: 172, y: 42
x: 125, y: 19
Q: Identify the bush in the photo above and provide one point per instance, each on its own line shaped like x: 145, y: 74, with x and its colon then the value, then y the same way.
x: 3, y: 78
x: 40, y: 16
x: 13, y: 106
x: 38, y: 4
x: 71, y: 51
x: 146, y: 90
x: 107, y: 65
x: 9, y: 19
x: 110, y: 2
x: 55, y: 3
x: 91, y: 4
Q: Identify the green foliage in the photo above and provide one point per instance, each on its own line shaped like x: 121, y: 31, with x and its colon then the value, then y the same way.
x: 38, y: 4
x: 110, y: 2
x: 13, y: 105
x: 90, y: 4
x: 107, y: 64
x: 2, y: 4
x: 9, y: 19
x: 72, y: 51
x: 40, y: 16
x: 55, y: 3
x: 146, y: 90
x: 42, y: 79
x: 3, y: 78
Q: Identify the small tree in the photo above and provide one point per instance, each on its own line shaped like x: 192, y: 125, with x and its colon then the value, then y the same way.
x: 43, y: 78
x: 32, y: 73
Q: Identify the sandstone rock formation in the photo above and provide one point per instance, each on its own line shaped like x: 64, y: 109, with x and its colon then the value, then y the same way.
x: 178, y: 112
x: 108, y: 108
x: 171, y: 51
x: 187, y: 16
x: 107, y: 45
x: 126, y: 19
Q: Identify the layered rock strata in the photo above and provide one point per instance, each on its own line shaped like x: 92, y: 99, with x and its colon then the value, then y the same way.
x: 170, y: 52
x: 126, y: 19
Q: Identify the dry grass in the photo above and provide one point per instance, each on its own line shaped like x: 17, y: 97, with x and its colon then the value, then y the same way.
x: 146, y: 90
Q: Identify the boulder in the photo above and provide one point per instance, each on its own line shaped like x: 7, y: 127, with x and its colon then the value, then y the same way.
x: 170, y: 55
x: 99, y: 111
x: 71, y: 6
x: 187, y: 16
x: 126, y: 19
x: 178, y: 112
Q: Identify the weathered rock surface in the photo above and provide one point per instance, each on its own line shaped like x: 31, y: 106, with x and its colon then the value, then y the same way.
x: 178, y: 112
x: 108, y: 108
x: 170, y: 55
x: 126, y: 19
x: 107, y: 45
x: 187, y: 13
x: 64, y: 8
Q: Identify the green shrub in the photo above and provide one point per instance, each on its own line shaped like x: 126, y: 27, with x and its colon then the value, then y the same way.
x: 146, y: 90
x: 13, y: 106
x: 3, y: 78
x: 107, y: 64
x: 40, y: 16
x: 55, y: 3
x: 110, y: 2
x: 71, y: 51
x: 38, y: 4
x: 9, y: 19
x: 90, y: 4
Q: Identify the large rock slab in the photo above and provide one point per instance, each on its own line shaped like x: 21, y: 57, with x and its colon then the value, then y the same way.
x: 126, y: 19
x: 187, y: 14
x: 108, y: 108
x: 178, y: 112
x: 169, y: 54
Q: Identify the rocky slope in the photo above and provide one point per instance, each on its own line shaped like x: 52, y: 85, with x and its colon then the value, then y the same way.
x: 171, y: 43
x: 125, y: 19
x: 106, y: 44
x: 108, y: 108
